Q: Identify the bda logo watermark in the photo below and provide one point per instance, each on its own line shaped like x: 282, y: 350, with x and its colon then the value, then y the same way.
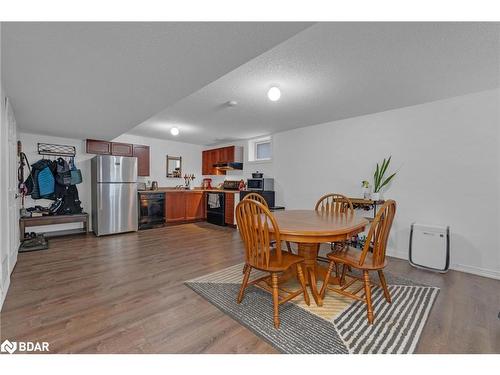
x: 9, y: 347
x: 24, y: 346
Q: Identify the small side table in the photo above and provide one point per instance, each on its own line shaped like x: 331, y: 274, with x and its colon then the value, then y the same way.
x: 366, y: 204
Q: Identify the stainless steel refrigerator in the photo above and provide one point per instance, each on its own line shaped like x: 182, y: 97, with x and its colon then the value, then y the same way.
x: 114, y: 194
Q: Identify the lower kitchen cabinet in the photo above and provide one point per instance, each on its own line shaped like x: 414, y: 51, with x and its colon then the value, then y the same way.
x: 184, y: 206
x: 175, y: 207
x: 195, y: 206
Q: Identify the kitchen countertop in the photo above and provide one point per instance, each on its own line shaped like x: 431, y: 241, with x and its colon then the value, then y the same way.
x: 196, y: 190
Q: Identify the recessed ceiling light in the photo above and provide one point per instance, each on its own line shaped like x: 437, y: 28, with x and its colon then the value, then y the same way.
x: 274, y: 94
x: 174, y: 131
x: 232, y: 103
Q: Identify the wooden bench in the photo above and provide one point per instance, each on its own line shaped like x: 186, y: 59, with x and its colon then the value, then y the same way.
x: 26, y: 222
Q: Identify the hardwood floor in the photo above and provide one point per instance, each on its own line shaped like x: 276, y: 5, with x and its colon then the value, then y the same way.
x: 125, y: 294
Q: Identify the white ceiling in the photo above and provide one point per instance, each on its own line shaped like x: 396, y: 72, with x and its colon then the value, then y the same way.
x: 99, y: 80
x: 332, y: 71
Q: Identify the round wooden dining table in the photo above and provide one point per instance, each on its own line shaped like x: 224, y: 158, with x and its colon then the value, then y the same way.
x: 310, y: 228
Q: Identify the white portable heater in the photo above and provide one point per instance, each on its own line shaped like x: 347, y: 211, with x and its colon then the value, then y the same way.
x: 430, y: 247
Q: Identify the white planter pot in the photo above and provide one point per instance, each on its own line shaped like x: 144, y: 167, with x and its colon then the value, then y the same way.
x: 375, y: 196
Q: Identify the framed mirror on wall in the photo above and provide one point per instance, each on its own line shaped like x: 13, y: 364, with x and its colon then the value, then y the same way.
x: 174, y: 166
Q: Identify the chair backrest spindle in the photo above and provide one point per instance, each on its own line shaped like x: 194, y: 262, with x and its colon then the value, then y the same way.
x: 334, y: 203
x: 256, y: 197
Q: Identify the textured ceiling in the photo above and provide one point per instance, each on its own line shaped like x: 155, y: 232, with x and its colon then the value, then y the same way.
x: 332, y: 71
x: 101, y: 79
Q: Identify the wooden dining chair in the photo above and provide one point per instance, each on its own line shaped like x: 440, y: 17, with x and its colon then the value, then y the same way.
x: 370, y: 258
x: 259, y: 198
x: 334, y: 203
x: 254, y: 224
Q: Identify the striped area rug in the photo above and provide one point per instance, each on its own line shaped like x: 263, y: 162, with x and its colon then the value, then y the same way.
x: 339, y: 326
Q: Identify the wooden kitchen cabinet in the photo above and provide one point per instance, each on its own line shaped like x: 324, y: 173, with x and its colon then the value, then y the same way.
x: 175, y: 207
x: 226, y: 154
x: 184, y: 206
x: 205, y: 166
x: 95, y: 146
x: 195, y: 206
x: 209, y: 158
x: 142, y: 154
x: 122, y: 149
x: 229, y: 209
x: 219, y: 155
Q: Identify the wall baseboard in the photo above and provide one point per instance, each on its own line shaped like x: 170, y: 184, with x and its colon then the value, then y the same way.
x: 397, y: 254
x: 485, y: 272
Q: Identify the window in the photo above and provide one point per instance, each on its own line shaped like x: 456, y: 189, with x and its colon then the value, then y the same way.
x: 263, y: 150
x: 260, y: 149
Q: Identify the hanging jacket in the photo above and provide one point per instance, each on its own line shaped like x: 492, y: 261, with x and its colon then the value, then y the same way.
x: 41, y: 183
x: 46, y: 182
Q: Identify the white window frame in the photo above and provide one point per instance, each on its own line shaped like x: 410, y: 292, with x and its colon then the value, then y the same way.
x: 252, y: 157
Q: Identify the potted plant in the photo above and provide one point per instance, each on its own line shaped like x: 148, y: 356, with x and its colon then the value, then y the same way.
x: 378, y: 178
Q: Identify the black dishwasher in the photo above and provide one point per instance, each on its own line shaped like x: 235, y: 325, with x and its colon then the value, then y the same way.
x: 215, y: 208
x: 151, y: 210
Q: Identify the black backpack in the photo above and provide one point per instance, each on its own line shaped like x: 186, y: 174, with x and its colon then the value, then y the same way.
x: 68, y: 201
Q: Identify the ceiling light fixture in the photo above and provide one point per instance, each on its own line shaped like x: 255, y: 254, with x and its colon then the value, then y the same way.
x: 174, y: 131
x: 274, y: 94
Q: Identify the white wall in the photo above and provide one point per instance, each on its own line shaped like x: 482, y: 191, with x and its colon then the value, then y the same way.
x: 447, y: 154
x: 4, y: 229
x: 159, y: 149
x: 9, y: 208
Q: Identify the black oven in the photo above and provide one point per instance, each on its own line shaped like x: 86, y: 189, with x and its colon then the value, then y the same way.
x: 151, y: 210
x: 215, y: 208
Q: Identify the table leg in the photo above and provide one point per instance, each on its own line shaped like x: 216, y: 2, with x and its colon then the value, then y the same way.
x: 310, y: 252
x: 313, y: 271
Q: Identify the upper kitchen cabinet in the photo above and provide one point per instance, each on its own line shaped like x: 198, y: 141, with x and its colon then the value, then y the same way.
x: 98, y: 147
x: 142, y: 154
x: 122, y: 149
x: 222, y: 155
x: 205, y: 168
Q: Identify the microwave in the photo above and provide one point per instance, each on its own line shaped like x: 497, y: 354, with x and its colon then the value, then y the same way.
x: 260, y: 184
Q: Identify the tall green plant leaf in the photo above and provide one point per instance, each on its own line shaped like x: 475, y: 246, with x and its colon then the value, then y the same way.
x: 387, y: 180
x: 378, y: 176
x: 384, y: 168
x: 375, y: 178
